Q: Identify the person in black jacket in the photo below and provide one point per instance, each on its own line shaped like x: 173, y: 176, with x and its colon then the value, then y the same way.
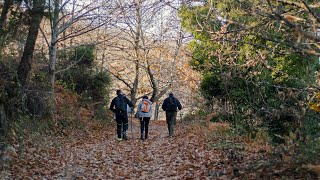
x: 119, y: 107
x: 171, y: 105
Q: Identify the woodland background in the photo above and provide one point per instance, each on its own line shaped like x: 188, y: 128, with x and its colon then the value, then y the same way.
x: 251, y: 65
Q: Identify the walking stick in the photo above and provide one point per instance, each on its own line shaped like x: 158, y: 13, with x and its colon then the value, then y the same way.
x: 142, y: 124
x: 131, y: 124
x: 181, y: 119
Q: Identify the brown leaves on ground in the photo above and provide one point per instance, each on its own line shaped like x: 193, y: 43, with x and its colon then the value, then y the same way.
x: 313, y: 168
x: 67, y: 103
x: 189, y: 155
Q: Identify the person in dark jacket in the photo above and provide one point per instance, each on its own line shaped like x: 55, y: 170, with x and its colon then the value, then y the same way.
x: 144, y: 114
x: 171, y: 105
x: 119, y: 107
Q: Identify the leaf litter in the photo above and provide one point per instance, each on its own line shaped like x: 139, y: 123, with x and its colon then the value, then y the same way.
x: 189, y: 155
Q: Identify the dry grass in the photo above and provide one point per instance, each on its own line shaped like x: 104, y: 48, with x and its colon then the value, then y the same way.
x: 198, y: 130
x: 313, y: 168
x: 218, y: 126
x: 209, y: 130
x: 211, y: 116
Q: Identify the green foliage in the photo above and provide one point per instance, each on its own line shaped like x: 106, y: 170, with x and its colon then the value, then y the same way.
x: 83, y: 79
x: 94, y: 86
x: 27, y: 125
x: 310, y: 150
x: 226, y: 145
x: 211, y: 86
x: 102, y: 113
x: 84, y: 57
x: 310, y: 133
x: 87, y: 80
x: 199, y: 14
x: 197, y: 115
x: 259, y: 79
x: 40, y: 77
x: 294, y: 70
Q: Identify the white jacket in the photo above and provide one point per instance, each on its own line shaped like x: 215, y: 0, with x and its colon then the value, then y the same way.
x: 142, y: 114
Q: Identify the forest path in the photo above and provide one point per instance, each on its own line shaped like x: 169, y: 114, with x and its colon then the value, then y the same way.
x: 158, y: 157
x: 99, y: 156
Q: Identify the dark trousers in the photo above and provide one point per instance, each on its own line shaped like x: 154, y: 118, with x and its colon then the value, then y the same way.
x: 122, y: 123
x: 144, y: 126
x: 171, y: 118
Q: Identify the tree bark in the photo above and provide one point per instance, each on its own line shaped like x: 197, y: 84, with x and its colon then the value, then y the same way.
x: 3, y: 121
x: 3, y: 18
x: 156, y: 111
x: 5, y: 10
x: 53, y: 45
x: 136, y: 47
x: 25, y: 65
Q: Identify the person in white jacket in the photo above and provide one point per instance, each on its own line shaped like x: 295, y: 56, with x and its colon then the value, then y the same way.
x: 144, y: 114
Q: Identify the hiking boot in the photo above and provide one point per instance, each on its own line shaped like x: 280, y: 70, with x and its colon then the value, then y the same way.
x: 119, y: 139
x: 141, y: 137
x: 124, y: 135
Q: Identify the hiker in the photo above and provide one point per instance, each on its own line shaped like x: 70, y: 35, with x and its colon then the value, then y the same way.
x: 144, y: 114
x: 119, y: 107
x: 170, y: 105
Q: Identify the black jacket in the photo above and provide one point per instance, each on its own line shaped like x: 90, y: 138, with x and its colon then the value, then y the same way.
x: 167, y: 101
x: 126, y: 102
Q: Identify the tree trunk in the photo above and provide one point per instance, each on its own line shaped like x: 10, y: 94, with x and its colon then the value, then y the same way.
x: 135, y: 86
x: 53, y: 45
x: 5, y: 10
x: 153, y: 84
x: 156, y: 111
x: 52, y: 65
x: 26, y: 59
x: 3, y: 121
x: 137, y: 54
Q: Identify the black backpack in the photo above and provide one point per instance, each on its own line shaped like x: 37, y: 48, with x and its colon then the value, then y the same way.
x: 171, y: 105
x: 120, y: 104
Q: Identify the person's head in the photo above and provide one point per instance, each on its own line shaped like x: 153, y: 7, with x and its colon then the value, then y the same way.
x: 170, y: 94
x: 119, y: 92
x: 145, y: 97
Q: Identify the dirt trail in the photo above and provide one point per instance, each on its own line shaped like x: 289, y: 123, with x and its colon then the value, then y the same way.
x: 158, y: 157
x: 100, y: 156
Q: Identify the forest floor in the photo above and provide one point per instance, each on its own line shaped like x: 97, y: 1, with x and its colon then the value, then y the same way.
x: 97, y: 155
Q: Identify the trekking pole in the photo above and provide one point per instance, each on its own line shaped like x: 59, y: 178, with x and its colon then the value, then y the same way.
x: 181, y: 119
x: 142, y: 125
x: 131, y: 124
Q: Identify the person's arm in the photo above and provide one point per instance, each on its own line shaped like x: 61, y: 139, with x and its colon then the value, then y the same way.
x: 164, y: 105
x: 112, y: 106
x: 179, y: 104
x: 151, y: 108
x: 128, y: 102
x: 139, y: 107
x: 139, y: 110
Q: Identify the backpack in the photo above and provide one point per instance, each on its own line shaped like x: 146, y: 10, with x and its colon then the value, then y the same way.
x: 120, y: 105
x: 171, y: 105
x: 145, y: 107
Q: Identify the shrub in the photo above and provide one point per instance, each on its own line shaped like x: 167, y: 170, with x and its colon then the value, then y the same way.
x: 88, y: 81
x: 309, y: 140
